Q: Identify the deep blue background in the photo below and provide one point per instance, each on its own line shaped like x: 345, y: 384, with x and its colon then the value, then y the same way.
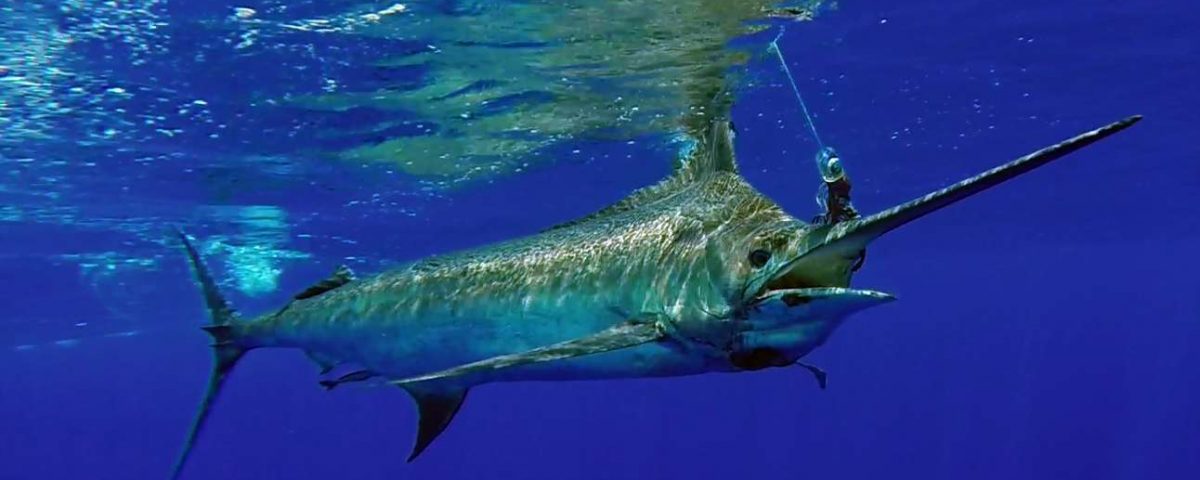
x: 1047, y: 329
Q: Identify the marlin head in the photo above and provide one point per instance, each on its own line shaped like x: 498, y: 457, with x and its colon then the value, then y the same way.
x: 788, y: 281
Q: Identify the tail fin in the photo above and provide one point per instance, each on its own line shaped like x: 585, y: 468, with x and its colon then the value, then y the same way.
x: 226, y: 352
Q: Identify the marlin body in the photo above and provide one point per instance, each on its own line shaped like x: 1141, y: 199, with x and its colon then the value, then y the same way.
x: 699, y: 273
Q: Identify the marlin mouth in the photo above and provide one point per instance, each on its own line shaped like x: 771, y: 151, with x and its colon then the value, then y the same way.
x: 797, y: 297
x: 802, y: 291
x: 797, y: 320
x: 791, y: 276
x: 807, y: 272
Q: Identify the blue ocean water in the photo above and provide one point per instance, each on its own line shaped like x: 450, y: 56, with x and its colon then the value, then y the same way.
x: 1046, y: 329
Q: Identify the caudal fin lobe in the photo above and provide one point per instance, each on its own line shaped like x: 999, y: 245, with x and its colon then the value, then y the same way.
x: 226, y: 351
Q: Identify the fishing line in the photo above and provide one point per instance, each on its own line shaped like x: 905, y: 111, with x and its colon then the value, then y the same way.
x: 828, y: 163
x: 812, y: 126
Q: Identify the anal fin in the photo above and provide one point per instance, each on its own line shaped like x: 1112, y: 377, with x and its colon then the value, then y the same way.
x: 436, y: 407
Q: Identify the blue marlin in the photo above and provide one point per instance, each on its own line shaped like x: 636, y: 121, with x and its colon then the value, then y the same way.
x: 699, y: 273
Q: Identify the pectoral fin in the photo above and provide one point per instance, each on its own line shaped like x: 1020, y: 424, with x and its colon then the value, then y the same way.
x: 437, y: 404
x: 436, y: 407
x: 615, y: 338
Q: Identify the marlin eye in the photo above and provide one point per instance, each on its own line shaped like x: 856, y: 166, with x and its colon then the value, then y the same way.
x: 759, y: 257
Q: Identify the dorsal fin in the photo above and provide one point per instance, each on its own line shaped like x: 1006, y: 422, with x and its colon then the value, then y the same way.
x: 341, y: 276
x: 712, y: 153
